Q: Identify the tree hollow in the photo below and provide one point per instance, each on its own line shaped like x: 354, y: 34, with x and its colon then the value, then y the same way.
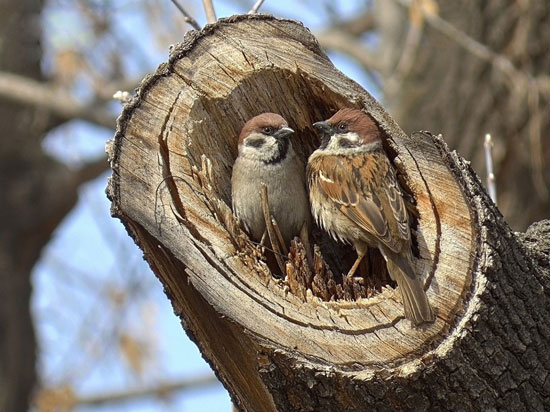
x: 172, y: 157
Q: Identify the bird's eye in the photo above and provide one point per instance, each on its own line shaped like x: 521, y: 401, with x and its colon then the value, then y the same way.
x: 343, y: 127
x: 267, y: 130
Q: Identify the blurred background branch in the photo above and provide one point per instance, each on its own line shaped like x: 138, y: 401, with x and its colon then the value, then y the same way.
x: 26, y: 91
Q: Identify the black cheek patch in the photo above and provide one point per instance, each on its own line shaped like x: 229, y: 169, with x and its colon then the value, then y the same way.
x: 258, y: 142
x: 345, y: 143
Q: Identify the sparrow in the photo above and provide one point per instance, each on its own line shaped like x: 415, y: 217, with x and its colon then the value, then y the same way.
x: 355, y: 196
x: 266, y: 156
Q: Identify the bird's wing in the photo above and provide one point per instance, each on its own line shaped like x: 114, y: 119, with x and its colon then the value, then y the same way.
x: 396, y: 203
x: 354, y: 184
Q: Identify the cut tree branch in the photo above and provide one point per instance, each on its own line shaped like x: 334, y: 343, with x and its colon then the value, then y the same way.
x: 27, y: 91
x: 328, y: 347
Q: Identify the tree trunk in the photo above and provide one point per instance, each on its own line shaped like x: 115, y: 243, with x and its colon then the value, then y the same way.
x: 20, y: 52
x: 277, y: 350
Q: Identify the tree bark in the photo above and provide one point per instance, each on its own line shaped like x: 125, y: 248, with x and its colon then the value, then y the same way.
x: 172, y: 157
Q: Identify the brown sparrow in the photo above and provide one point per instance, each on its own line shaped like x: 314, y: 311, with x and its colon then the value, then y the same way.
x: 266, y: 156
x: 355, y: 196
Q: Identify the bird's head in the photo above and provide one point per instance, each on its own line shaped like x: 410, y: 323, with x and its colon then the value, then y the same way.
x: 348, y: 129
x: 265, y: 138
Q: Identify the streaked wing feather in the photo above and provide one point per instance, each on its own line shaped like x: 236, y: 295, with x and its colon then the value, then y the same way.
x: 397, y: 205
x: 359, y: 200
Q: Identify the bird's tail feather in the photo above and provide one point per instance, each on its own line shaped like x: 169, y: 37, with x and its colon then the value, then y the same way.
x: 415, y: 301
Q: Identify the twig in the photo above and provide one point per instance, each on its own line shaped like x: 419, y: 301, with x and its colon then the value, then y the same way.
x: 417, y: 11
x: 279, y: 236
x: 522, y: 80
x: 256, y: 6
x: 534, y: 86
x: 186, y: 16
x: 409, y: 52
x: 269, y: 227
x: 209, y: 10
x: 491, y: 184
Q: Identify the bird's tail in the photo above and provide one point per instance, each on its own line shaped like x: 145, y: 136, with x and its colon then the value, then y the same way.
x: 415, y: 301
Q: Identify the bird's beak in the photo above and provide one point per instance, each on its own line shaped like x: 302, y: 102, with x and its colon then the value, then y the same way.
x: 325, y: 131
x: 323, y: 127
x: 283, y: 132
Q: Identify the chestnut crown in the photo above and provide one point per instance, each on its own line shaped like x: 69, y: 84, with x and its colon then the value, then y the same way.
x: 265, y: 123
x: 355, y: 121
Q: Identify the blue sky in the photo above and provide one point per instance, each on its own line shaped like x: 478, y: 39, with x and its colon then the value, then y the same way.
x: 78, y: 280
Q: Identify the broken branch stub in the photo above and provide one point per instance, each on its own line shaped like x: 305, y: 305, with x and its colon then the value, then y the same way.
x: 174, y: 149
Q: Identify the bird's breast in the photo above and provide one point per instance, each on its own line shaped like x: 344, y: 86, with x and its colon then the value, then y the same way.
x: 286, y: 193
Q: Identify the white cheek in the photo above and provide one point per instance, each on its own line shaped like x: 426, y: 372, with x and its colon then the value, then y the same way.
x: 351, y: 136
x: 266, y: 150
x: 335, y: 139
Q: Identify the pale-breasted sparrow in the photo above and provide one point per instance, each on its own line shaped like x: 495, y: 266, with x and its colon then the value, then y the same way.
x: 266, y: 156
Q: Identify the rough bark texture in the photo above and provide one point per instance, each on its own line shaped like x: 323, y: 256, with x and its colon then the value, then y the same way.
x: 277, y: 351
x: 451, y: 91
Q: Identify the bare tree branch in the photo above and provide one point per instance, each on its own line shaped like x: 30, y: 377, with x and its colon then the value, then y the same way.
x: 256, y: 6
x: 186, y: 16
x: 357, y: 25
x: 90, y: 170
x: 154, y: 391
x: 64, y: 398
x: 520, y: 80
x: 405, y: 63
x: 209, y: 10
x: 341, y: 41
x: 31, y: 92
x: 480, y: 50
